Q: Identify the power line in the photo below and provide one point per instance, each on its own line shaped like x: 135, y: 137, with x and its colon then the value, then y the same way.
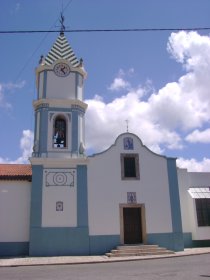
x: 40, y: 43
x: 106, y: 30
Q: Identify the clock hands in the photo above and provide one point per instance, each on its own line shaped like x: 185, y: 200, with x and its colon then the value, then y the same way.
x: 63, y: 70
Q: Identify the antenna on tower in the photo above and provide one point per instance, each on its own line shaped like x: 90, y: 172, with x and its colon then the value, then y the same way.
x: 62, y: 24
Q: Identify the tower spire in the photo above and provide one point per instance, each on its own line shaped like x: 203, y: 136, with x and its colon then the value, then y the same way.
x: 62, y: 24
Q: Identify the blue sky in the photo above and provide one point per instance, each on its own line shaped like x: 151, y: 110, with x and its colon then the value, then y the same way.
x: 159, y: 81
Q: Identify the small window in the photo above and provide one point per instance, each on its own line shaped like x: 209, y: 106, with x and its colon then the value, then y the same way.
x: 203, y: 211
x: 59, y: 134
x: 59, y: 206
x: 130, y: 166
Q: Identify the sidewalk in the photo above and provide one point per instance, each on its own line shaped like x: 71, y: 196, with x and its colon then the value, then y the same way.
x: 37, y: 261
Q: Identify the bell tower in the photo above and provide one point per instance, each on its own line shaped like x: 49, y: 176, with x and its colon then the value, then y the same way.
x: 59, y: 108
x: 59, y: 218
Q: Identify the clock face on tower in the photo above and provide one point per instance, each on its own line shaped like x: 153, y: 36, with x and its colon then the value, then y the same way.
x: 61, y: 69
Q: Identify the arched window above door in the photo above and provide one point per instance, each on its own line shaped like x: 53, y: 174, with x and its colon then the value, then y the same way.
x: 59, y: 132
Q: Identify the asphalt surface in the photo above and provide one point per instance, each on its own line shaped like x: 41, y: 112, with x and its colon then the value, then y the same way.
x: 64, y: 260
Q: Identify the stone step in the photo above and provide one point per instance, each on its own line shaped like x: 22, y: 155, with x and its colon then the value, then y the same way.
x: 142, y: 246
x: 121, y: 254
x: 138, y: 250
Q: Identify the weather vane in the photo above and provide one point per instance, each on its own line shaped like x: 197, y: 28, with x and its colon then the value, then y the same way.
x: 62, y: 24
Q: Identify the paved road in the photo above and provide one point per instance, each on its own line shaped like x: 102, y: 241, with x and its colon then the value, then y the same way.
x: 188, y: 268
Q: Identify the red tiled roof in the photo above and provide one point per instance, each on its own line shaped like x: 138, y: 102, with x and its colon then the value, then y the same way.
x: 15, y: 172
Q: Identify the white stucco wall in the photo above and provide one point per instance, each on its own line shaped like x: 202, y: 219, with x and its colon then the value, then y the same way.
x: 14, y: 211
x: 40, y: 90
x: 188, y: 208
x: 186, y: 202
x: 61, y: 87
x: 59, y: 185
x: 199, y: 179
x: 106, y: 190
x: 80, y: 87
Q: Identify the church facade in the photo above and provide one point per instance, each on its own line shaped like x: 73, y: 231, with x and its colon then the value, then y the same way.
x: 65, y: 203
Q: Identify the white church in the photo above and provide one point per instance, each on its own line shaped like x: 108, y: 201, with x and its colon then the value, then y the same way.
x: 67, y: 203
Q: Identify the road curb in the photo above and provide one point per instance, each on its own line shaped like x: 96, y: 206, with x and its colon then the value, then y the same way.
x: 75, y: 260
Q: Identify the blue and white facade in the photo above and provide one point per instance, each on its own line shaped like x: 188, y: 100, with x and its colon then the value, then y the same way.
x: 59, y: 221
x: 153, y: 191
x: 79, y: 205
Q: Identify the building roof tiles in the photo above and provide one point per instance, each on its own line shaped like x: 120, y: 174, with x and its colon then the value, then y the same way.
x: 15, y: 172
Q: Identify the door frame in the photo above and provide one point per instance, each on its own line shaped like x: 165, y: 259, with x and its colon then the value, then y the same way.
x: 143, y: 220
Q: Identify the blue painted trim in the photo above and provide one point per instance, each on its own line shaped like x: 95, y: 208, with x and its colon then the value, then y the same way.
x: 54, y: 241
x: 38, y: 91
x: 188, y: 242
x: 60, y: 109
x: 171, y: 241
x: 59, y: 241
x: 43, y: 130
x: 44, y: 84
x: 35, y: 125
x: 174, y: 195
x: 82, y: 199
x: 74, y: 132
x: 36, y: 196
x: 11, y: 249
x: 175, y: 202
x: 101, y: 244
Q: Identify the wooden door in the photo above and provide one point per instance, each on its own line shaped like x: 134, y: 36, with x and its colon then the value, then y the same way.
x: 132, y: 225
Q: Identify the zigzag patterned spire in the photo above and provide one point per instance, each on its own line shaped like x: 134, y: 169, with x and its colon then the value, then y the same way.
x: 61, y: 50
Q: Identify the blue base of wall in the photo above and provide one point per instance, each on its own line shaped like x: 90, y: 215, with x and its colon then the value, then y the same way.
x: 75, y: 241
x: 171, y: 241
x: 188, y: 243
x: 11, y: 249
x: 59, y: 242
x: 69, y: 241
x: 101, y: 244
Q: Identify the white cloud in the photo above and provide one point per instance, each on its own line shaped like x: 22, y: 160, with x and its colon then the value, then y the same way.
x: 3, y: 102
x: 16, y: 8
x: 163, y: 118
x: 8, y: 87
x: 198, y: 136
x: 185, y: 104
x: 5, y: 160
x: 119, y: 84
x: 105, y: 121
x: 26, y: 144
x: 12, y: 86
x: 189, y: 48
x: 193, y: 165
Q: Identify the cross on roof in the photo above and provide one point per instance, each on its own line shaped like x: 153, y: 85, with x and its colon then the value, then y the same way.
x: 127, y: 122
